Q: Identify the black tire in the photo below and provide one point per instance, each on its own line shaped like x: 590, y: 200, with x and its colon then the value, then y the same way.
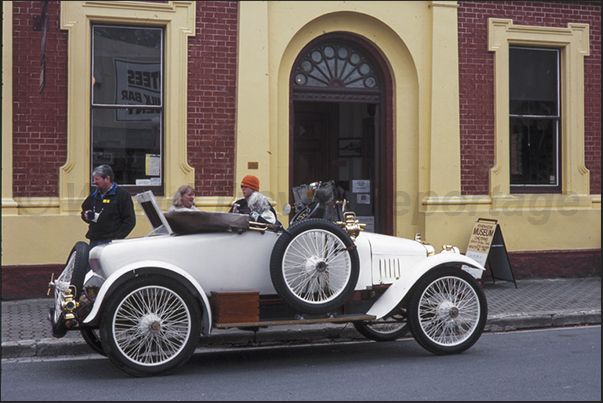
x: 386, y: 329
x: 314, y: 266
x: 92, y: 339
x: 300, y: 215
x: 311, y: 211
x: 447, y: 311
x: 151, y: 326
x: 72, y: 277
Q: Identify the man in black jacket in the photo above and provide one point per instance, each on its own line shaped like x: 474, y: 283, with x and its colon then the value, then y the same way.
x: 109, y: 210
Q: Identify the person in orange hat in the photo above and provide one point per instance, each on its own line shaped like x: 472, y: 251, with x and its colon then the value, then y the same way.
x: 254, y: 203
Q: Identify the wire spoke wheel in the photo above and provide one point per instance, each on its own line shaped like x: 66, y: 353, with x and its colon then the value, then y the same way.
x: 316, y: 269
x: 151, y: 325
x: 152, y: 328
x: 448, y: 311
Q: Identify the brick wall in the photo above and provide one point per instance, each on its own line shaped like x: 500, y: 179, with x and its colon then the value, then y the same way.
x: 39, y: 119
x: 476, y: 78
x: 212, y: 70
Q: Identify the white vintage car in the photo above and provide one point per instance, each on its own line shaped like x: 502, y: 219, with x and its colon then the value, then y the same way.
x: 146, y: 301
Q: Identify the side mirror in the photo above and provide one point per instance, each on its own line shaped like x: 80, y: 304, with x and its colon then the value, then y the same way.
x: 286, y: 209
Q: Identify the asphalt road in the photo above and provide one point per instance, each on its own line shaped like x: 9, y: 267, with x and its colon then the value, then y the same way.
x: 551, y: 364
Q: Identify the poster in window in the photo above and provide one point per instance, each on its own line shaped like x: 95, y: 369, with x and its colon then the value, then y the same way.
x: 137, y: 83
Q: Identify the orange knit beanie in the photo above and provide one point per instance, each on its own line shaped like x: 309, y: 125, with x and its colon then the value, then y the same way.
x: 251, y: 182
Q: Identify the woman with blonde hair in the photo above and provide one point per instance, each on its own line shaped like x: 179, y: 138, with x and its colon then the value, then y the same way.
x: 184, y: 199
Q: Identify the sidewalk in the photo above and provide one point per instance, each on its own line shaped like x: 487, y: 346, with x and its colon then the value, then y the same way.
x: 533, y: 304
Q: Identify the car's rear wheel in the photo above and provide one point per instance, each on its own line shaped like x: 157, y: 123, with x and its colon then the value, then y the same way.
x: 314, y: 266
x: 151, y: 326
x: 385, y: 329
x: 448, y: 311
x: 72, y: 277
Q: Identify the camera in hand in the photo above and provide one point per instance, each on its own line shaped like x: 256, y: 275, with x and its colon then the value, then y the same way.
x: 92, y: 216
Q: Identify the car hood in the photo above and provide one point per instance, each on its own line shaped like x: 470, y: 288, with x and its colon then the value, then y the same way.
x: 386, y: 245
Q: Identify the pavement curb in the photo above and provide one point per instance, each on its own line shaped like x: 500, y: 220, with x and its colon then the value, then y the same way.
x: 501, y: 323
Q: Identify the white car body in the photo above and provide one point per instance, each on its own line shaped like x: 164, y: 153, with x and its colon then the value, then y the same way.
x: 231, y: 261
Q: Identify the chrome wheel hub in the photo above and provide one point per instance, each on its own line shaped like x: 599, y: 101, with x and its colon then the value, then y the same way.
x: 447, y: 311
x: 150, y: 324
x: 316, y: 265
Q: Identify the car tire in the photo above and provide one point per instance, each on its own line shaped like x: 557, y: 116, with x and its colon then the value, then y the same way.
x: 92, y: 339
x: 387, y: 329
x: 314, y: 266
x: 72, y: 277
x: 305, y: 213
x: 151, y: 326
x: 448, y: 311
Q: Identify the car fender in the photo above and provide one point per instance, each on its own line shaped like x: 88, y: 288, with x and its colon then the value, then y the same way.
x: 399, y: 288
x: 151, y: 267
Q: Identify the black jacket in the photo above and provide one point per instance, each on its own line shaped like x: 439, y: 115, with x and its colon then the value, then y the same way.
x: 116, y: 219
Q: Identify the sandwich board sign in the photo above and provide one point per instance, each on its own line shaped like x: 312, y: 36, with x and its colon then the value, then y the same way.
x: 486, y: 245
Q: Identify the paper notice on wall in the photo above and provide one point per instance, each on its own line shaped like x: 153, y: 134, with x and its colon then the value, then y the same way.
x: 363, y: 198
x: 361, y: 186
x: 153, y: 165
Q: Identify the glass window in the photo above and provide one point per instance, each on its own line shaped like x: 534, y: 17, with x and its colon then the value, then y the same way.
x: 534, y: 120
x: 335, y: 65
x: 127, y: 104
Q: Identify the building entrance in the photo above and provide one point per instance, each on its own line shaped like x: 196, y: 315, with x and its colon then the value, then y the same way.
x: 338, y: 95
x: 336, y: 141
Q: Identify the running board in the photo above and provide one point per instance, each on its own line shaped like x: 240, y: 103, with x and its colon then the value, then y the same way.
x: 301, y: 320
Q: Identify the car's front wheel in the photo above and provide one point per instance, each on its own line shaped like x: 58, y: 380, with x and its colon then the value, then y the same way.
x: 151, y: 326
x: 447, y: 311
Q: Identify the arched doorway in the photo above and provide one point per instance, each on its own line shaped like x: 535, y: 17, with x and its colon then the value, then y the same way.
x: 340, y: 125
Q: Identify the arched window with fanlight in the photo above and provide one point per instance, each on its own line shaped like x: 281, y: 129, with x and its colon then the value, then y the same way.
x: 338, y: 71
